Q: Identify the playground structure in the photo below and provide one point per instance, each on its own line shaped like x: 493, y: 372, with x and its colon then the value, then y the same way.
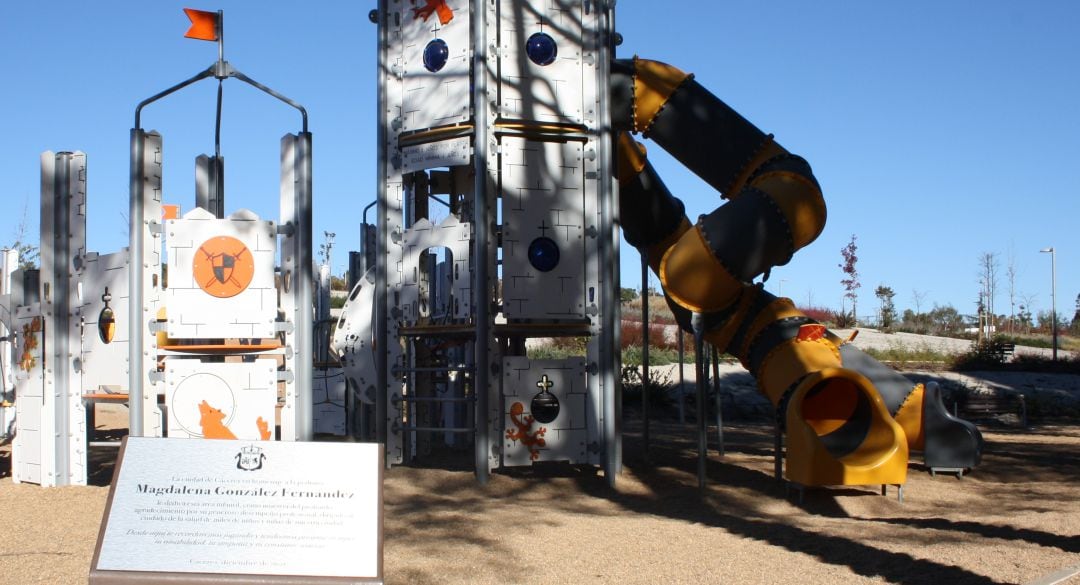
x: 520, y: 141
x: 501, y: 108
x: 222, y: 349
x: 502, y: 129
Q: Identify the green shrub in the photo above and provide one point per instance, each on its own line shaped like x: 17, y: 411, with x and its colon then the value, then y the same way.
x: 904, y: 355
x: 559, y: 348
x: 659, y: 388
x: 843, y: 319
x: 631, y: 356
x: 988, y: 354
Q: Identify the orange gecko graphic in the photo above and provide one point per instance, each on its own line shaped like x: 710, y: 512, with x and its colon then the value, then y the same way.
x: 211, y: 418
x: 439, y: 7
x: 524, y: 433
x: 27, y: 360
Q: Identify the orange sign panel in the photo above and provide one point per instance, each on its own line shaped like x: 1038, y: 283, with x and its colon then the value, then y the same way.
x: 223, y: 267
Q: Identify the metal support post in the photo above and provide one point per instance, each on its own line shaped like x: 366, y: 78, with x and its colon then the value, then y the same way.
x: 719, y: 404
x: 645, y: 355
x: 61, y: 431
x: 381, y: 300
x: 778, y: 451
x: 304, y: 292
x: 697, y: 322
x: 210, y: 184
x: 136, y: 309
x: 144, y: 284
x: 609, y: 273
x: 481, y: 223
x: 682, y: 379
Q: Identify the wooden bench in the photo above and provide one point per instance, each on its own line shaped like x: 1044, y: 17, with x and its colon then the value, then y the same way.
x: 1004, y: 351
x: 976, y: 406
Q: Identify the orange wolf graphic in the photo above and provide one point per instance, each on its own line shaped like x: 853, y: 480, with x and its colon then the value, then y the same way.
x: 211, y: 419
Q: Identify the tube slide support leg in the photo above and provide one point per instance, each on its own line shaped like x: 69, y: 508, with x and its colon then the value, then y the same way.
x: 698, y: 323
x: 716, y: 393
x: 645, y: 357
x: 778, y: 451
x: 682, y: 379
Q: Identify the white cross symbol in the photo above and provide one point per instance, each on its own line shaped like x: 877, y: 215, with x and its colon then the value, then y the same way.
x: 544, y: 383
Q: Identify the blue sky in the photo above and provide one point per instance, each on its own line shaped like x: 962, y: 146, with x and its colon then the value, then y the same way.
x: 939, y: 131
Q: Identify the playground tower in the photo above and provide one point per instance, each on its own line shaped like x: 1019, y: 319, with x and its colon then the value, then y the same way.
x: 495, y: 223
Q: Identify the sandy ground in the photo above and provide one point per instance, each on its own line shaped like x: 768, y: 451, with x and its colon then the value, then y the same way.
x: 1016, y: 519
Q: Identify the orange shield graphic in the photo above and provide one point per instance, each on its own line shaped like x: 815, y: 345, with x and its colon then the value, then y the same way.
x: 223, y: 267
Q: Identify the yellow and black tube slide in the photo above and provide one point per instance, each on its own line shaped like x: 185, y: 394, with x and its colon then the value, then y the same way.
x: 840, y: 429
x: 695, y: 278
x: 652, y: 219
x: 840, y: 433
x: 701, y: 131
x: 747, y: 236
x: 776, y: 205
x: 902, y: 397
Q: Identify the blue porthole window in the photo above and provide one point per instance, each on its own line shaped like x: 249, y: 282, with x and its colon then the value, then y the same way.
x: 435, y: 55
x: 544, y: 254
x: 541, y: 49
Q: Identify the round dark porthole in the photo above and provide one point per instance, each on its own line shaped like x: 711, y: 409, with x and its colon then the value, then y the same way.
x: 435, y: 55
x: 545, y: 407
x: 541, y: 49
x: 544, y: 254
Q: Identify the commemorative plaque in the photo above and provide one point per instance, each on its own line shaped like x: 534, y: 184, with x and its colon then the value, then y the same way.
x: 220, y: 511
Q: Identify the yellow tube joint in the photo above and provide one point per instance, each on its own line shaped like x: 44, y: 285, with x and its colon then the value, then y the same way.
x: 780, y: 308
x: 654, y: 82
x: 655, y: 253
x: 910, y: 418
x: 792, y: 360
x: 631, y: 158
x: 801, y: 202
x: 694, y: 278
x: 770, y: 149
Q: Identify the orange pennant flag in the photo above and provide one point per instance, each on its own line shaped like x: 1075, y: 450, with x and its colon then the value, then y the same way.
x: 446, y: 14
x: 204, y: 25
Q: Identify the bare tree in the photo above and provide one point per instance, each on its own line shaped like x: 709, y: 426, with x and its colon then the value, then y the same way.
x: 918, y: 297
x: 988, y: 269
x: 918, y: 320
x: 1010, y: 276
x: 28, y: 253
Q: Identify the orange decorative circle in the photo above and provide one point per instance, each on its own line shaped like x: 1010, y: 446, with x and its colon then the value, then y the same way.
x: 223, y: 267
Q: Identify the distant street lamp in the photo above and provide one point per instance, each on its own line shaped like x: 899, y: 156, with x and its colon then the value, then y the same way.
x: 1053, y: 296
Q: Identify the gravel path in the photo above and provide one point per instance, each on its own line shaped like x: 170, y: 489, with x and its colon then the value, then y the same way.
x: 874, y: 339
x: 1014, y: 520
